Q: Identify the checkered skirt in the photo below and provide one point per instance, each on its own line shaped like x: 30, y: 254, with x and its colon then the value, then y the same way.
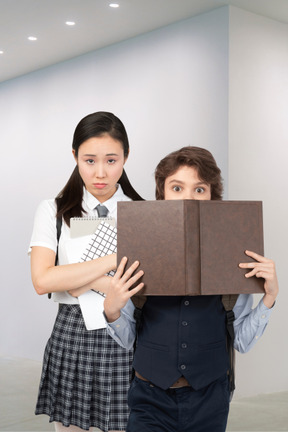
x: 85, y: 375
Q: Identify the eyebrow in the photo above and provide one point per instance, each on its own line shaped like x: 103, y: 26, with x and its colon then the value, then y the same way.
x: 94, y: 155
x: 182, y: 182
x: 175, y: 180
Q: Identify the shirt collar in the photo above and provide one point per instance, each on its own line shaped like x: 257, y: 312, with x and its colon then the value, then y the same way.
x: 91, y: 202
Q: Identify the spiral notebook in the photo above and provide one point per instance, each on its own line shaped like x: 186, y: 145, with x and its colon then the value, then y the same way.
x: 103, y: 242
x: 82, y: 226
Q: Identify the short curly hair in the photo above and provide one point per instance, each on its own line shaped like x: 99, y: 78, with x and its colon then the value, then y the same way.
x: 190, y: 156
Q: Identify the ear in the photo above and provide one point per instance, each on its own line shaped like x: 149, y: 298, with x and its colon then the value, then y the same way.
x: 75, y: 157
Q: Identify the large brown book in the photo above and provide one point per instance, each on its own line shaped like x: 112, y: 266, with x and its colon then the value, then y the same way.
x: 188, y: 247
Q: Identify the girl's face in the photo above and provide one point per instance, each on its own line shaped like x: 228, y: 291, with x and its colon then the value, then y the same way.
x: 100, y: 162
x: 186, y: 184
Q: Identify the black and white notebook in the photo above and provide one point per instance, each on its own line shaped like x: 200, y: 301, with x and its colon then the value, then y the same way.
x: 103, y: 242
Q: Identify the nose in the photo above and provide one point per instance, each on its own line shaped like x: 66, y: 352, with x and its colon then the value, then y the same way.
x: 100, y: 170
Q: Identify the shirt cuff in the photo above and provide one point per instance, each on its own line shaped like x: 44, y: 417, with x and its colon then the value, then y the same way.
x: 262, y: 313
x: 116, y: 325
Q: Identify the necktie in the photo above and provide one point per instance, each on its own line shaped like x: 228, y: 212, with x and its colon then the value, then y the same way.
x: 101, y: 210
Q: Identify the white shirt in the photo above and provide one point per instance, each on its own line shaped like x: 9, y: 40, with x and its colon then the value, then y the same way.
x: 45, y: 234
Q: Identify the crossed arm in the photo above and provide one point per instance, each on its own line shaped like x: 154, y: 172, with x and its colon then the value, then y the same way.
x: 74, y: 278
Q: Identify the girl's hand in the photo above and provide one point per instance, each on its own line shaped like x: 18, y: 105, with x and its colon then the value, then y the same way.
x: 264, y: 268
x: 119, y: 291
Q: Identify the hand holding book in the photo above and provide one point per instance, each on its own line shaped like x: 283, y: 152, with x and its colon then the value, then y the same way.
x: 120, y: 289
x: 263, y: 268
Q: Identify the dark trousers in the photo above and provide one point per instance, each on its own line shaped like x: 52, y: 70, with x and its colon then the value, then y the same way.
x: 178, y: 410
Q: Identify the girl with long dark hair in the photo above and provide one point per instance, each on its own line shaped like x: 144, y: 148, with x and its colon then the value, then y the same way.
x: 85, y: 374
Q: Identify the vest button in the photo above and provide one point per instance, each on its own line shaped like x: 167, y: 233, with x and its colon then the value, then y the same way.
x: 186, y: 302
x: 184, y: 345
x: 183, y: 367
x: 184, y: 323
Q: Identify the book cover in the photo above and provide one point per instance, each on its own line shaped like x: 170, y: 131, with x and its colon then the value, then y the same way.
x: 189, y: 247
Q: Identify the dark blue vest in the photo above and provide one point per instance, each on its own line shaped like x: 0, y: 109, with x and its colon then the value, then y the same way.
x: 182, y: 336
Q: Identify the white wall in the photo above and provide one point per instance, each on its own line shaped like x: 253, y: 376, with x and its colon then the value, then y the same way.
x: 167, y: 86
x: 258, y: 153
x: 170, y: 87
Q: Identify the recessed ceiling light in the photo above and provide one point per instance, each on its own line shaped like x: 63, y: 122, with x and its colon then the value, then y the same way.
x: 32, y: 38
x: 114, y: 5
x: 70, y: 23
x: 1, y: 52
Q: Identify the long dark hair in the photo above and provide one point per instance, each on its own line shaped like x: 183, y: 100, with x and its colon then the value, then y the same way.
x: 190, y: 156
x: 69, y: 200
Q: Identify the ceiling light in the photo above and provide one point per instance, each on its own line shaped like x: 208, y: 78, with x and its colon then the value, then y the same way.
x: 1, y: 52
x: 32, y: 38
x: 114, y: 5
x: 70, y: 23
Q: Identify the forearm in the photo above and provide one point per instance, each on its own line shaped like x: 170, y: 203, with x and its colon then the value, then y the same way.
x: 269, y: 300
x: 101, y: 284
x: 71, y: 276
x: 47, y: 277
x: 111, y: 315
x: 250, y: 325
x: 123, y: 330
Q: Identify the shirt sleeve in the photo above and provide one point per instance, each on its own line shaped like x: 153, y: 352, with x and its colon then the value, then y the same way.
x: 123, y: 330
x: 44, y: 229
x: 249, y: 324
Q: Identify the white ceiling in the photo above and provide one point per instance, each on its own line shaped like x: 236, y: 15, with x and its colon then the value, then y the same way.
x: 97, y: 25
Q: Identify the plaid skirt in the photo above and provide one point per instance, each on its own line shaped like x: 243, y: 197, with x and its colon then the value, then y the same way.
x: 85, y: 376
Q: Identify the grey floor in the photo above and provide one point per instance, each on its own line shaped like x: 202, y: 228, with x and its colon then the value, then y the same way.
x: 19, y: 380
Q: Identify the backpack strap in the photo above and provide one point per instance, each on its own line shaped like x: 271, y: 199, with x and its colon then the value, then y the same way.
x: 139, y: 301
x: 229, y: 301
x: 230, y: 317
x: 58, y: 228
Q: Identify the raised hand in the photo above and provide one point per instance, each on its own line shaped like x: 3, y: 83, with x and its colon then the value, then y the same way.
x: 119, y: 291
x: 263, y: 268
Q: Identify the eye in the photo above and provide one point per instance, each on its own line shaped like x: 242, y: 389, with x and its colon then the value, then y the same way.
x: 200, y: 190
x: 177, y: 189
x: 90, y: 161
x: 111, y: 161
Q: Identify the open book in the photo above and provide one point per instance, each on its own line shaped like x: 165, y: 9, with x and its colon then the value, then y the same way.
x: 188, y: 247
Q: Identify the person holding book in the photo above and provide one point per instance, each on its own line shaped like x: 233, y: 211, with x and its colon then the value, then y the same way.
x: 181, y: 360
x: 85, y: 375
